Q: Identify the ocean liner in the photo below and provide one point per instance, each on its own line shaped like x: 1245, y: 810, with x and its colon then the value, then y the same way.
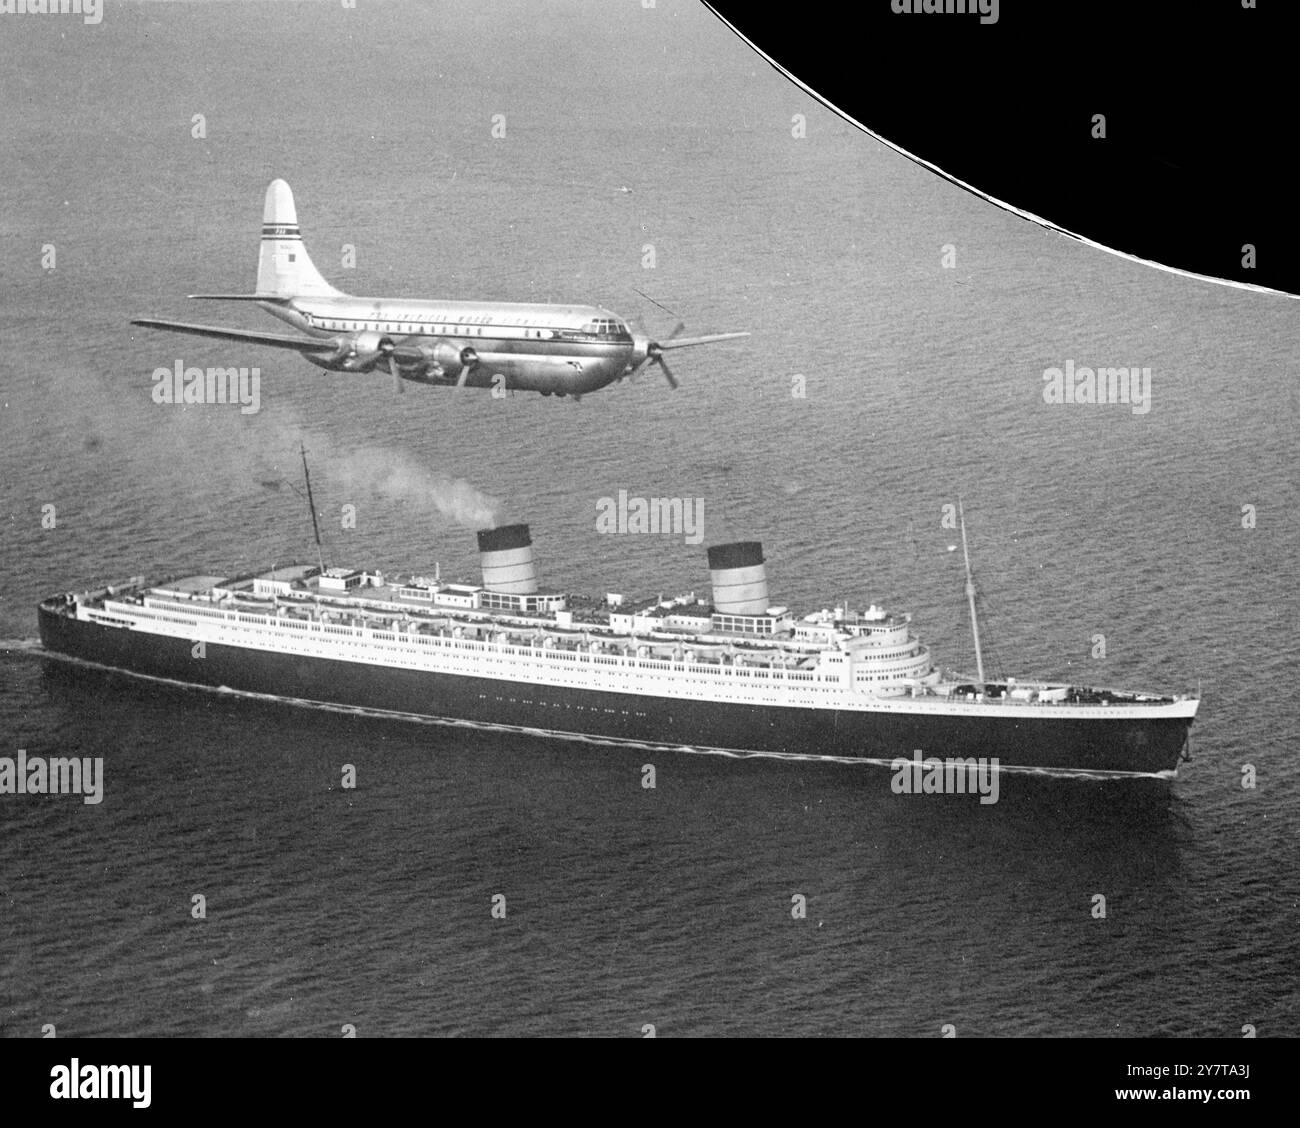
x: 732, y: 673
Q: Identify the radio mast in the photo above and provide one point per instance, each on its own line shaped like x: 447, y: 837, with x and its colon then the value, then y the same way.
x: 315, y: 527
x: 970, y: 596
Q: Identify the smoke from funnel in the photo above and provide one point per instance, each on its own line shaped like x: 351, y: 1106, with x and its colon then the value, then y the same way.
x: 398, y: 477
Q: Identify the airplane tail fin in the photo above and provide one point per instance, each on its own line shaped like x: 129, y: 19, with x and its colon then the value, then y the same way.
x: 284, y: 269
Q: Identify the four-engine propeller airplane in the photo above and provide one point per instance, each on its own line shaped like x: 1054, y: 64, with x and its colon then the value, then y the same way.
x: 552, y: 349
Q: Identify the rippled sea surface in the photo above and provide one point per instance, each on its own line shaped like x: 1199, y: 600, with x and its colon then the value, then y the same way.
x: 623, y: 127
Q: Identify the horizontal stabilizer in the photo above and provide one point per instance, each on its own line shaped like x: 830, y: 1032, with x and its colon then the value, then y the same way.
x: 687, y: 342
x: 275, y: 340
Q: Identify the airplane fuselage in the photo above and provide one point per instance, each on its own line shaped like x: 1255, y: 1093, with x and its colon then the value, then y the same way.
x: 506, y: 346
x: 513, y: 345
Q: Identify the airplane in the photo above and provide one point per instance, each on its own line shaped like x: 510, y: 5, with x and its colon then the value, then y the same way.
x: 561, y: 350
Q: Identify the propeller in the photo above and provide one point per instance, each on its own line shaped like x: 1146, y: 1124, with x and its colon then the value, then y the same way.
x: 654, y: 354
x: 388, y: 350
x: 468, y: 362
x: 651, y: 351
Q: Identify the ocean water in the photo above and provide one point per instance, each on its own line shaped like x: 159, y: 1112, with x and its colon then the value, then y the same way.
x: 623, y: 127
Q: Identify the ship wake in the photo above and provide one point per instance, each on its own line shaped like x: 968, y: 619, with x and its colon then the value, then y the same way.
x: 21, y: 645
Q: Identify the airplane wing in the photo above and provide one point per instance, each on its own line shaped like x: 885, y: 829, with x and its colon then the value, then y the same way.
x: 687, y: 342
x: 276, y: 299
x: 297, y: 341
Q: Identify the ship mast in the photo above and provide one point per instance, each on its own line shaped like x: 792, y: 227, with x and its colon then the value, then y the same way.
x: 970, y: 596
x: 311, y: 504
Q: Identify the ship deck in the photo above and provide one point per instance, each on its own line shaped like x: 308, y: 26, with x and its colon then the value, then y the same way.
x: 383, y: 607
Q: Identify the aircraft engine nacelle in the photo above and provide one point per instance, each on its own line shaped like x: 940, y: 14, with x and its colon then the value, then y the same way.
x: 445, y: 360
x: 360, y: 352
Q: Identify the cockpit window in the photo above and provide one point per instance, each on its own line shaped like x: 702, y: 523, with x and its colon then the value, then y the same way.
x: 605, y: 327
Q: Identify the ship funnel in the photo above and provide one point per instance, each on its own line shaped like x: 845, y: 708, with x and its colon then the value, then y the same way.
x: 739, y: 578
x: 506, y: 555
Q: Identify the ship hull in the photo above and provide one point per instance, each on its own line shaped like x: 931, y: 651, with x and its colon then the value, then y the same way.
x: 1036, y: 741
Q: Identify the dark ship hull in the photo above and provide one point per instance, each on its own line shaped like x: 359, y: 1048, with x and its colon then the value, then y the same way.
x: 1036, y: 740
